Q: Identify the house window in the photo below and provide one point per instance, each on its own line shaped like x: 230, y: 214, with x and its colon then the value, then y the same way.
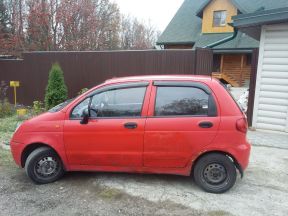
x: 219, y: 18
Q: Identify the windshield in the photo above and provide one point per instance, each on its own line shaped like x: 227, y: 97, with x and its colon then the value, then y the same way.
x: 61, y: 106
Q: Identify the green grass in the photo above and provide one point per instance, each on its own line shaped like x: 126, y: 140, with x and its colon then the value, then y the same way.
x: 7, y: 127
x: 110, y: 193
x: 5, y: 158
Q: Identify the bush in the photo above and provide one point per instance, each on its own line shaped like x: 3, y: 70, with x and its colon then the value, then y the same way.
x: 6, y: 109
x: 56, y: 90
x: 3, y: 90
x: 38, y: 107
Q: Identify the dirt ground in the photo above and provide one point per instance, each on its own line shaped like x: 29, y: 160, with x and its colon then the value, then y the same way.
x: 262, y: 191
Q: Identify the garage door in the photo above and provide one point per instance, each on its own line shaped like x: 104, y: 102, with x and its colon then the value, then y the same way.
x: 271, y: 99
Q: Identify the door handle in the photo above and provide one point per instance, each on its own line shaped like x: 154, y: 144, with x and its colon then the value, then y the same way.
x: 205, y: 124
x: 130, y: 125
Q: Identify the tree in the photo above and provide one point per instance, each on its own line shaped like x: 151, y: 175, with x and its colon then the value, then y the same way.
x: 12, y: 33
x: 88, y: 25
x: 70, y: 25
x: 137, y: 35
x: 4, y: 28
x: 4, y: 17
x: 56, y: 90
x: 38, y: 30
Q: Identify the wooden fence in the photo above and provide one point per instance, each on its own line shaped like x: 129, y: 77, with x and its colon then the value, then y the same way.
x: 87, y: 69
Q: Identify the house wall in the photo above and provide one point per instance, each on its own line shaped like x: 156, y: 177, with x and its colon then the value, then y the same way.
x: 235, y: 69
x: 216, y: 5
x: 271, y: 96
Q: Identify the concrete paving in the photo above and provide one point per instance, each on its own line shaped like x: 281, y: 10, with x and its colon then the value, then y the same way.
x: 268, y: 139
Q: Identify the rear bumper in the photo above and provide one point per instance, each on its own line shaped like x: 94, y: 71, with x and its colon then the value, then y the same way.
x: 16, y: 150
x: 242, y: 155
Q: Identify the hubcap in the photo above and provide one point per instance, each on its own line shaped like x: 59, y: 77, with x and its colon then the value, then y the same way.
x: 46, y: 166
x: 215, y: 173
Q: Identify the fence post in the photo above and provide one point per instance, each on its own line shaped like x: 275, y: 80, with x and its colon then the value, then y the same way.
x: 203, y: 61
x: 252, y: 85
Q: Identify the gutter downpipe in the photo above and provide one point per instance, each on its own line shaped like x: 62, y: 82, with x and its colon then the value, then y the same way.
x: 224, y: 40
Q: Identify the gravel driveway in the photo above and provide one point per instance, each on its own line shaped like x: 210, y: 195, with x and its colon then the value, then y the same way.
x: 263, y: 191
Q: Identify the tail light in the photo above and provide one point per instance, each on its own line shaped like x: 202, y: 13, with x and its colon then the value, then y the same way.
x: 241, y: 125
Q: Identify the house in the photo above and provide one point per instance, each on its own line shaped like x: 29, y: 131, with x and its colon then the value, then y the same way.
x: 270, y: 26
x: 205, y: 24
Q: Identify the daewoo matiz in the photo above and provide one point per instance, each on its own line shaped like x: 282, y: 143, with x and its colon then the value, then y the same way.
x: 183, y: 125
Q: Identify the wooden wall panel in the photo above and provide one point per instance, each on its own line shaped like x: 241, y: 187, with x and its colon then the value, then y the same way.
x: 235, y: 72
x: 218, y: 5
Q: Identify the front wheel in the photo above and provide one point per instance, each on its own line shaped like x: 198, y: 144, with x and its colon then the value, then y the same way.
x: 215, y: 173
x: 44, y: 166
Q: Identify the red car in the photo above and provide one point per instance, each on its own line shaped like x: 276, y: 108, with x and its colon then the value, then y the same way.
x: 174, y: 124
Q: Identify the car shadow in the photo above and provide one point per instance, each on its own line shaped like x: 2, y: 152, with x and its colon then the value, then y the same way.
x: 149, y: 179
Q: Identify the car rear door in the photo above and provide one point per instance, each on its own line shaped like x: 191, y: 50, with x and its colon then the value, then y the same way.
x: 182, y: 119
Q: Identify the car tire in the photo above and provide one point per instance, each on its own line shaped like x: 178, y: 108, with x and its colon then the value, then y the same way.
x: 43, y: 166
x: 215, y: 173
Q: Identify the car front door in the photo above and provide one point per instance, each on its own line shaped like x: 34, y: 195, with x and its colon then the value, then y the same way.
x: 114, y: 133
x: 182, y: 120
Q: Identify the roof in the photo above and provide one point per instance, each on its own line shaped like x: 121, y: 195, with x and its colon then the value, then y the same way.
x: 236, y: 3
x: 159, y: 77
x: 186, y: 26
x: 251, y: 23
x: 261, y: 17
x: 242, y: 41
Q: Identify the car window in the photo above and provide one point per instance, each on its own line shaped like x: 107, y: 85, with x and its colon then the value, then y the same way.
x: 78, y: 110
x: 175, y: 101
x: 118, y: 103
x: 60, y: 106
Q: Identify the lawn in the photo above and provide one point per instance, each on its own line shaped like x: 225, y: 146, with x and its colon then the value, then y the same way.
x: 7, y: 127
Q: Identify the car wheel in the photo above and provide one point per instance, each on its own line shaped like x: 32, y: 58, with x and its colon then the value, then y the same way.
x: 44, y: 166
x: 215, y: 173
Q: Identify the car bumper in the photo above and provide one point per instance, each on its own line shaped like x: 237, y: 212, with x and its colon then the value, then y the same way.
x: 242, y: 155
x: 17, y: 149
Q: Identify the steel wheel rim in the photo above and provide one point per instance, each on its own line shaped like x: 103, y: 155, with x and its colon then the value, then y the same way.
x: 47, y: 167
x: 215, y: 174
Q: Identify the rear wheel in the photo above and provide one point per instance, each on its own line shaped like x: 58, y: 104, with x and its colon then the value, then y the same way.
x: 215, y: 173
x: 44, y: 166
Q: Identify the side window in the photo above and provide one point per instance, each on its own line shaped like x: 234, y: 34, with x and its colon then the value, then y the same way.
x: 118, y: 103
x: 78, y: 110
x: 177, y: 101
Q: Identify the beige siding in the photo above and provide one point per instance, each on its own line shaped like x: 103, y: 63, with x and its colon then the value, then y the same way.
x: 218, y: 5
x: 271, y: 99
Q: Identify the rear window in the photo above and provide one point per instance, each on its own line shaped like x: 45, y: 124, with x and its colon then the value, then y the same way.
x: 238, y: 105
x: 181, y: 101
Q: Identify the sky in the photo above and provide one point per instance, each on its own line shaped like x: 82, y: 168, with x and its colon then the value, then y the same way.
x: 158, y: 12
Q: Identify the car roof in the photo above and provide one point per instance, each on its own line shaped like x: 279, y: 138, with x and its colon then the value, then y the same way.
x: 160, y: 77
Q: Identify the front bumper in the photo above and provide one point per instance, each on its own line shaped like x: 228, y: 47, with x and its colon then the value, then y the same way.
x: 16, y: 150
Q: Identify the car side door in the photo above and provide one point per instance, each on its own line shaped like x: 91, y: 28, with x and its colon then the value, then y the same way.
x: 114, y: 133
x: 182, y: 119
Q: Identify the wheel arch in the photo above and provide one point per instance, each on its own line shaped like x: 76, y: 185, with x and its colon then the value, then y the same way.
x: 31, y: 147
x: 232, y: 158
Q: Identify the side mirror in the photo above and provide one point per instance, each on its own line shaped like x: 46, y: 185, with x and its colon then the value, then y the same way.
x: 85, y: 117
